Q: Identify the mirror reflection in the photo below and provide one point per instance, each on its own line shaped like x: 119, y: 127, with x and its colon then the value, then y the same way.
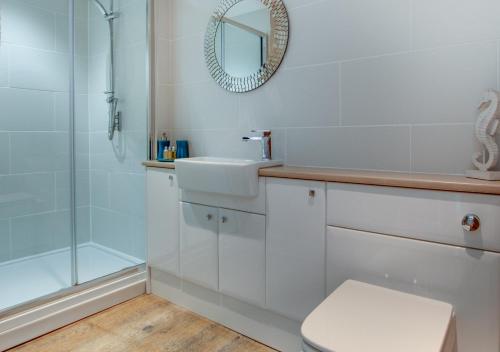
x: 242, y: 38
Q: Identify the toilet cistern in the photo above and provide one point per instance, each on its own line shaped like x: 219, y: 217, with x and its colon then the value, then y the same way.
x: 264, y: 138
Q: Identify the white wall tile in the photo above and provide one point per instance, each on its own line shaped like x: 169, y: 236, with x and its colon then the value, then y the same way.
x: 444, y: 22
x: 59, y: 6
x: 163, y: 95
x: 351, y: 64
x: 326, y: 31
x: 107, y: 225
x: 37, y: 69
x: 204, y: 106
x: 99, y: 188
x: 62, y: 32
x: 188, y: 60
x: 163, y: 20
x: 98, y: 112
x: 81, y: 74
x: 40, y: 233
x: 124, y: 153
x: 132, y: 200
x: 4, y: 153
x: 26, y: 194
x: 62, y: 112
x: 26, y: 110
x: 63, y: 190
x: 39, y: 151
x: 190, y: 17
x: 436, y: 86
x: 228, y: 143
x: 97, y: 74
x: 5, y: 252
x: 83, y: 229
x: 27, y: 25
x: 4, y: 66
x: 131, y: 29
x: 291, y: 4
x: 444, y: 149
x: 98, y: 37
x: 376, y: 148
x: 293, y: 98
x: 196, y: 140
x: 163, y: 62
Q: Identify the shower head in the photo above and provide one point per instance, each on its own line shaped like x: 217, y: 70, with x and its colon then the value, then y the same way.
x: 101, y: 8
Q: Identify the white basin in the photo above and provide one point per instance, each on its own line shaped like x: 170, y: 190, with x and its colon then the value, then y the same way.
x: 237, y: 177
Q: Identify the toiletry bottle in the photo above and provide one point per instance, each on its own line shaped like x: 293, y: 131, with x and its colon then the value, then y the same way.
x: 162, y: 143
x: 174, y: 153
x: 165, y: 153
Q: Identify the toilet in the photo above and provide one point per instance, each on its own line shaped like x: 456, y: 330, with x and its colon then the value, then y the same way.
x: 359, y: 317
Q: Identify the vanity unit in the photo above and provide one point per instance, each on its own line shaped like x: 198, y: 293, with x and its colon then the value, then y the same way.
x: 261, y: 264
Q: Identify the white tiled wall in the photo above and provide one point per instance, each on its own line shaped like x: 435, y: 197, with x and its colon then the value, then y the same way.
x: 117, y: 177
x: 34, y: 122
x: 34, y: 159
x: 365, y: 84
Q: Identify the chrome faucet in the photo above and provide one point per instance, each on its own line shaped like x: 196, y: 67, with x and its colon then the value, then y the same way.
x: 265, y: 142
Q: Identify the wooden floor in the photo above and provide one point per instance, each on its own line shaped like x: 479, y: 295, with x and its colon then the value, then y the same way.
x: 144, y: 324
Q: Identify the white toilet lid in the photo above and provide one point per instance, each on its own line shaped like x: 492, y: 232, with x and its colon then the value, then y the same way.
x: 361, y: 317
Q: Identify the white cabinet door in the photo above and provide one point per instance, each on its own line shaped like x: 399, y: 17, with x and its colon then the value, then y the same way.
x: 163, y: 220
x: 199, y: 244
x: 242, y: 255
x: 466, y: 278
x: 295, y: 246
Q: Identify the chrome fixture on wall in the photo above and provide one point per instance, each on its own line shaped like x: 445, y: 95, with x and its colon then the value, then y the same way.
x: 265, y: 143
x: 114, y: 116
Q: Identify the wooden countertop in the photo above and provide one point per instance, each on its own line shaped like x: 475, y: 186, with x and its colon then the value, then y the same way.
x: 377, y: 178
x: 159, y: 164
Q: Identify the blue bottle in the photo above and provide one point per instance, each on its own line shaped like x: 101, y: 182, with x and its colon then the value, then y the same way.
x: 182, y: 149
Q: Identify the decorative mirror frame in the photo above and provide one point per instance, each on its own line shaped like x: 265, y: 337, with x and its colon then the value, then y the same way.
x: 279, y: 33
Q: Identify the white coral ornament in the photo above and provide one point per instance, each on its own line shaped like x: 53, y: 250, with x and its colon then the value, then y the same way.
x: 486, y: 128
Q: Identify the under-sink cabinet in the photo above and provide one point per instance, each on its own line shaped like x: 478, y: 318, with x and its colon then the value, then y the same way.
x: 242, y: 255
x: 224, y: 250
x: 199, y: 244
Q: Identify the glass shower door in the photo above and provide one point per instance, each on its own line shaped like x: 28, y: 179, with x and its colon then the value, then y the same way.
x: 71, y: 200
x: 111, y: 42
x: 35, y: 224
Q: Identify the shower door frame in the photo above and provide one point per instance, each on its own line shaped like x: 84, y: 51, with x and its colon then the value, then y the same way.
x: 77, y: 287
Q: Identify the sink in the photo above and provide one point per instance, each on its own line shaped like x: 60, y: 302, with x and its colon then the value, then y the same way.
x: 237, y: 177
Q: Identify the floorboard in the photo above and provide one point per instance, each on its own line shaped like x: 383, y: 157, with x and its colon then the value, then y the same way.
x: 144, y: 324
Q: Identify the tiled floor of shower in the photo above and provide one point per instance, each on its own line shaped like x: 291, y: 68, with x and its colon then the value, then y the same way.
x: 32, y: 277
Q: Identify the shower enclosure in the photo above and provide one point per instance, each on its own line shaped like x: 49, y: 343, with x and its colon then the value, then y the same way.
x: 73, y: 133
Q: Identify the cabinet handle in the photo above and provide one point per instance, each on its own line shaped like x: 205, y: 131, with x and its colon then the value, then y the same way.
x: 209, y: 217
x: 224, y: 219
x: 312, y: 193
x: 170, y: 177
x: 471, y: 222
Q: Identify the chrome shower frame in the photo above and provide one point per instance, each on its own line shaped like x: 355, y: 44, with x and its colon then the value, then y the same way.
x: 114, y: 116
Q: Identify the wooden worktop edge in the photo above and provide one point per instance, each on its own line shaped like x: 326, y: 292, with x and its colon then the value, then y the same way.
x: 375, y: 178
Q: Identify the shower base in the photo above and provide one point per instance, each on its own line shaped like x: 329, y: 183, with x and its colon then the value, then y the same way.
x: 29, y: 278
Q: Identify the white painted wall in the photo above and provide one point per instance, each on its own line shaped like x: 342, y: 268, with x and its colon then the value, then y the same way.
x: 385, y: 84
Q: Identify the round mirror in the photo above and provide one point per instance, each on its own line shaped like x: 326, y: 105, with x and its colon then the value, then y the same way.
x: 245, y: 42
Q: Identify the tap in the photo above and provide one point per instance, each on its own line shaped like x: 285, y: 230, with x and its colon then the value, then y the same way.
x: 265, y: 142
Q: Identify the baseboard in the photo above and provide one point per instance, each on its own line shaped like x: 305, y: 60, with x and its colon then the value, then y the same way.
x: 35, y: 322
x: 257, y: 323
